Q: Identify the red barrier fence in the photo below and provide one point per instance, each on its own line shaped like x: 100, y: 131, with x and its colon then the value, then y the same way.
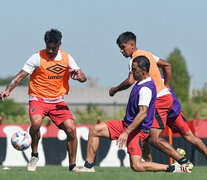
x: 198, y: 127
x: 53, y: 141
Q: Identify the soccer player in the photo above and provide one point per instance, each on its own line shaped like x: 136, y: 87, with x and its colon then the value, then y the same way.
x: 134, y: 129
x: 50, y: 70
x: 177, y: 123
x: 127, y: 44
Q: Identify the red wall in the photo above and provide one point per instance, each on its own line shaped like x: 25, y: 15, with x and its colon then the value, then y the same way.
x: 198, y: 127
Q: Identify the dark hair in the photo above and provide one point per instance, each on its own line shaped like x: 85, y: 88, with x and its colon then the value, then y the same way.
x: 142, y: 61
x: 53, y: 36
x: 126, y: 37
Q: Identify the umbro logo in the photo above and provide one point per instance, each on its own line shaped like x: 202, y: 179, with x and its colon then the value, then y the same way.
x: 57, y: 69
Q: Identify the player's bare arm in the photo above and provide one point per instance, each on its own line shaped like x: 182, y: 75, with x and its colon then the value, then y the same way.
x: 124, y: 85
x: 166, y: 68
x: 14, y: 82
x: 77, y: 74
x: 122, y: 140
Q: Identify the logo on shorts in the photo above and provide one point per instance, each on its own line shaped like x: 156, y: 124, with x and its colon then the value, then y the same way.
x: 33, y: 109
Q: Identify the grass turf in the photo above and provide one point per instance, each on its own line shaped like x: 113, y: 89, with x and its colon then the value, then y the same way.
x: 102, y: 173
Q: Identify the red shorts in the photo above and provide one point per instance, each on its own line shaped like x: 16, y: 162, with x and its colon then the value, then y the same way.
x: 163, y: 105
x: 58, y: 112
x: 178, y: 124
x: 135, y: 139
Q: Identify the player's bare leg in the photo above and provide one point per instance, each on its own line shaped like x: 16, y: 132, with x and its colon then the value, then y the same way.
x: 69, y: 127
x: 137, y: 165
x: 99, y: 130
x: 156, y: 140
x: 36, y: 121
x: 95, y: 132
x: 197, y: 142
x: 146, y: 153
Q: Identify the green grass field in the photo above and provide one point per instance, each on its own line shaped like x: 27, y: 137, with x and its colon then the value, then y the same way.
x: 102, y: 173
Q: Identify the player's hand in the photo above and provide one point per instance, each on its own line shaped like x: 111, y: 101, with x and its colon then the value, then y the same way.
x: 74, y: 73
x: 122, y: 140
x: 77, y: 74
x: 112, y: 91
x: 3, y: 95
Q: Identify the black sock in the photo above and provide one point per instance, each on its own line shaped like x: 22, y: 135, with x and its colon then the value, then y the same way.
x: 88, y: 164
x: 71, y: 166
x: 170, y: 168
x: 34, y: 155
x: 182, y: 160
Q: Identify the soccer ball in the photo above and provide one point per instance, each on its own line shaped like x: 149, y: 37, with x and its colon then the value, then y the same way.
x: 21, y: 140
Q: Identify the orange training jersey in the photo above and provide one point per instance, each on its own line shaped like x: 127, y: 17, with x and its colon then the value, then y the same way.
x: 51, y: 78
x: 153, y: 71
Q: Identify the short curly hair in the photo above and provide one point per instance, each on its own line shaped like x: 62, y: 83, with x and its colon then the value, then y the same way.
x: 53, y: 36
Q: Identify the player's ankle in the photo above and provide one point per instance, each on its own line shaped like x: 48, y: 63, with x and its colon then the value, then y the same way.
x: 170, y: 168
x: 182, y: 160
x: 88, y: 164
x: 71, y: 166
x: 34, y: 155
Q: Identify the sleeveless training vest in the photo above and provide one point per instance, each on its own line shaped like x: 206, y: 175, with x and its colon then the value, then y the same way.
x: 51, y: 78
x: 153, y: 71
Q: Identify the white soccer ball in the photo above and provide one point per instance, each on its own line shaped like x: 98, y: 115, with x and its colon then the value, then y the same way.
x: 21, y: 140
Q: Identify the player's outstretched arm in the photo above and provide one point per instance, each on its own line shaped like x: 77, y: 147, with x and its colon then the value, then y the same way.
x: 77, y: 74
x: 14, y: 82
x: 122, y: 140
x: 124, y: 85
x: 166, y: 68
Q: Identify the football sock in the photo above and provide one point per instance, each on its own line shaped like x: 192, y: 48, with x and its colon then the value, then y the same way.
x: 34, y: 155
x: 71, y: 166
x: 182, y: 160
x: 88, y: 164
x: 170, y: 168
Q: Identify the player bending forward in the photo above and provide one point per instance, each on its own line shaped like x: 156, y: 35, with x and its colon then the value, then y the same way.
x: 134, y: 129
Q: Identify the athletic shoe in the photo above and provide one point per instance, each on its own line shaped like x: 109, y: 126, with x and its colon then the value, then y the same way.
x: 181, y: 151
x: 75, y: 169
x: 178, y: 168
x: 32, y: 165
x: 188, y: 166
x: 84, y: 169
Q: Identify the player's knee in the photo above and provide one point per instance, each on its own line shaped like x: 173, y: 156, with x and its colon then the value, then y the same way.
x: 71, y: 132
x: 93, y: 131
x: 35, y: 126
x: 153, y: 140
x: 34, y: 132
x: 137, y: 167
